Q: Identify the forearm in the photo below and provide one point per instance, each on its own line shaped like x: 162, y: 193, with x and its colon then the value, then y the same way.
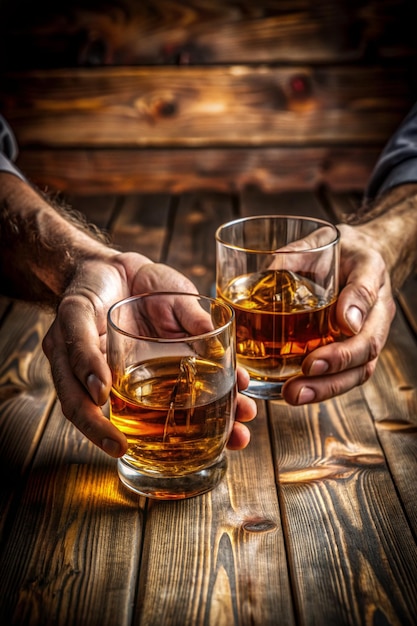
x: 40, y: 246
x: 392, y: 224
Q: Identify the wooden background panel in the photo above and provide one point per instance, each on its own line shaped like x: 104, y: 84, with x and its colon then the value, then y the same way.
x: 288, y: 203
x: 125, y: 32
x: 103, y: 78
x: 174, y: 170
x: 230, y: 106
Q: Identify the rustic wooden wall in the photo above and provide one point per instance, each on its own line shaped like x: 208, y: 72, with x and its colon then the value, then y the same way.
x: 170, y: 96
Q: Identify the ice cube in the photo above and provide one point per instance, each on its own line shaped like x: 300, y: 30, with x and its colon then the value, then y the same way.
x: 274, y: 290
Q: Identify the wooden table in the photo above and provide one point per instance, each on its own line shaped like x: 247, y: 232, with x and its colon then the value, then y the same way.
x: 315, y: 523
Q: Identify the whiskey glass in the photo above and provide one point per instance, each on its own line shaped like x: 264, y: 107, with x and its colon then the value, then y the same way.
x: 173, y: 362
x: 280, y: 274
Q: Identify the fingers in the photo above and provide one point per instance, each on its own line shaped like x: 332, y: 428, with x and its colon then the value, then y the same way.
x: 78, y: 335
x: 246, y: 407
x: 366, y: 282
x: 365, y: 310
x: 156, y: 277
x: 336, y: 368
x: 245, y: 412
x: 359, y: 297
x: 305, y: 390
x: 239, y: 438
x: 77, y: 404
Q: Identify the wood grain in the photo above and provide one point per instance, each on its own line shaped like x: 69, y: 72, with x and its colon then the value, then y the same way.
x: 328, y: 458
x: 315, y: 522
x: 178, y: 170
x: 26, y: 395
x: 126, y: 32
x: 395, y: 410
x: 230, y: 106
x: 192, y: 249
x: 408, y: 299
x: 236, y: 574
x: 141, y: 225
x: 62, y: 564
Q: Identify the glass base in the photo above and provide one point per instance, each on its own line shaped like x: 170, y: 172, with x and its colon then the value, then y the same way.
x: 264, y: 389
x: 172, y: 488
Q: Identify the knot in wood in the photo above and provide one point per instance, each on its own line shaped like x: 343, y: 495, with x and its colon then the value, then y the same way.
x: 300, y: 86
x: 165, y: 108
x: 259, y: 525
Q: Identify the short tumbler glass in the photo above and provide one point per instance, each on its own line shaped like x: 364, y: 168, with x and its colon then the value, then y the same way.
x: 173, y: 362
x: 280, y: 274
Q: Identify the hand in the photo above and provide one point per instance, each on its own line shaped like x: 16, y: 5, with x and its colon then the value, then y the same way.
x: 365, y: 310
x: 75, y: 344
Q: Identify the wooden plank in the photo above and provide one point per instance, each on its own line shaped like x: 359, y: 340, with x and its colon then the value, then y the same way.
x: 97, y: 209
x: 339, y: 204
x: 396, y: 414
x: 219, y: 542
x: 192, y: 248
x: 408, y: 301
x: 287, y: 203
x: 141, y: 225
x: 177, y: 170
x: 135, y: 223
x: 5, y: 304
x: 185, y: 106
x: 354, y: 564
x: 169, y: 31
x: 24, y: 382
x: 325, y: 455
x: 54, y: 549
x: 54, y: 555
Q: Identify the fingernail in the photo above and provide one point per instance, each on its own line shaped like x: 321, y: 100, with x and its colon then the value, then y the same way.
x: 306, y: 395
x: 95, y: 388
x: 111, y: 447
x: 354, y: 319
x: 318, y: 367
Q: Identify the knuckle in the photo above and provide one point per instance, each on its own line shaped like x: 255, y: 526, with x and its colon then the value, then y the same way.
x: 334, y: 389
x: 343, y: 359
x: 368, y: 371
x: 367, y: 294
x: 76, y: 357
x: 374, y: 347
x: 376, y: 342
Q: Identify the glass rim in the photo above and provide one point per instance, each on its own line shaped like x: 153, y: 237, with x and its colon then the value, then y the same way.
x: 171, y: 340
x: 297, y: 218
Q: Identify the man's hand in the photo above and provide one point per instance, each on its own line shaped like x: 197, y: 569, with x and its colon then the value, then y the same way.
x: 76, y: 343
x: 365, y: 310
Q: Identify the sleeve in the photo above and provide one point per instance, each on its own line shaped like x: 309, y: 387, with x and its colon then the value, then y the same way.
x: 398, y: 161
x: 8, y: 149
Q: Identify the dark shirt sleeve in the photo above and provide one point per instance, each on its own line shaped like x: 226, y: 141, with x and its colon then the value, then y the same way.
x: 8, y: 149
x: 398, y: 161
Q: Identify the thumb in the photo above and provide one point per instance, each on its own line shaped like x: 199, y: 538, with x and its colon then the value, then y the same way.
x: 355, y: 302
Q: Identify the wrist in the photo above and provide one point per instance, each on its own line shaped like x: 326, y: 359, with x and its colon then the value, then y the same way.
x: 42, y: 245
x: 393, y: 232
